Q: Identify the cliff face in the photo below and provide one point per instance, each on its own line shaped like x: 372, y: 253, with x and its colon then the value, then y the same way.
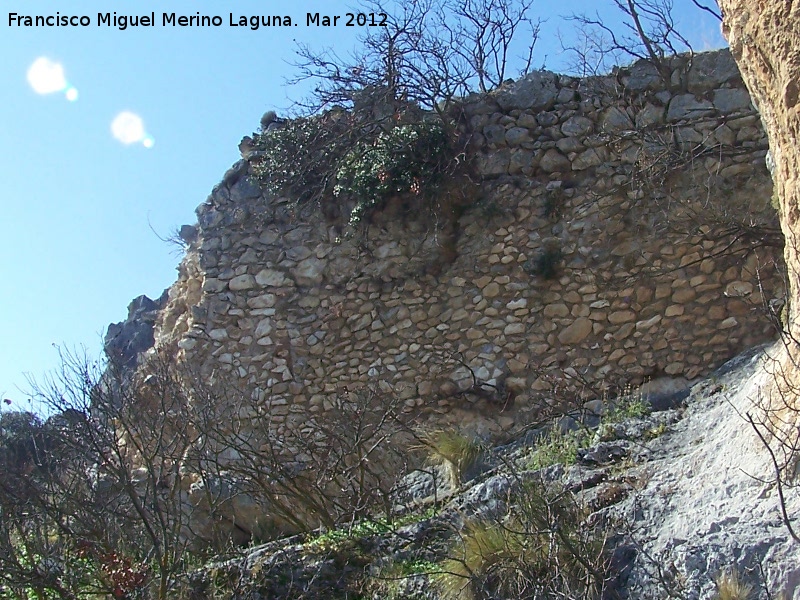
x: 765, y: 40
x: 618, y: 236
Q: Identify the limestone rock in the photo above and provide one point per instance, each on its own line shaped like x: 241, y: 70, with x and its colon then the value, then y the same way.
x: 614, y: 119
x: 242, y: 282
x: 536, y: 91
x: 577, y: 126
x: 576, y: 332
x: 686, y: 106
x: 553, y: 161
x: 710, y: 70
x: 643, y: 75
x: 728, y: 100
x: 309, y: 272
x: 271, y: 278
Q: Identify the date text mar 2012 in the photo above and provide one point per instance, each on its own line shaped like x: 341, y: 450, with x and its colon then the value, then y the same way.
x: 348, y: 20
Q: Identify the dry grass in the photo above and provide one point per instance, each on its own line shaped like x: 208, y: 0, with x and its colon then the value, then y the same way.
x: 457, y: 451
x: 542, y: 550
x: 730, y: 587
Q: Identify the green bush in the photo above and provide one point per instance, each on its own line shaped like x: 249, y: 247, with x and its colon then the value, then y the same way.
x: 299, y: 158
x: 341, y: 157
x: 556, y: 448
x: 410, y: 158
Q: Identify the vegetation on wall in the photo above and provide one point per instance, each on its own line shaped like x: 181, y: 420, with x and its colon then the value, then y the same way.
x: 341, y: 160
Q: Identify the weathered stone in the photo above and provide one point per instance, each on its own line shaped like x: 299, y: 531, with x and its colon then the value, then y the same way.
x: 621, y: 316
x: 495, y: 134
x: 263, y: 301
x: 491, y: 290
x: 615, y: 119
x: 728, y: 100
x: 245, y: 189
x: 553, y: 161
x: 556, y: 310
x: 649, y: 115
x: 684, y: 295
x: 687, y: 106
x: 576, y: 332
x: 570, y: 144
x: 547, y: 119
x: 517, y: 135
x: 709, y: 70
x: 643, y: 75
x: 591, y: 158
x: 242, y: 282
x: 577, y: 126
x: 737, y: 289
x: 264, y: 328
x: 493, y: 164
x: 514, y: 328
x: 520, y: 160
x: 536, y: 91
x: 271, y: 278
x: 298, y: 253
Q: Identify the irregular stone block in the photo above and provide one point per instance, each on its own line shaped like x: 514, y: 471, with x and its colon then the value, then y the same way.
x: 271, y: 278
x: 686, y: 106
x: 643, y: 75
x: 577, y: 125
x: 553, y: 161
x: 242, y: 282
x: 576, y: 332
x: 709, y: 70
x: 309, y: 271
x: 728, y: 100
x: 536, y: 91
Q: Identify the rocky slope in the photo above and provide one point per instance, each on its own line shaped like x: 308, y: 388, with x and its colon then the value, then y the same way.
x: 685, y: 495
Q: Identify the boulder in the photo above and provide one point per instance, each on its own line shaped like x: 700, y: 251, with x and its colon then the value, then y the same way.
x: 536, y: 91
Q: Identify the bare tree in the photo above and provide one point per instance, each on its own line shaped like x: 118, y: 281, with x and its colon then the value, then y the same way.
x: 648, y: 32
x: 97, y: 504
x: 307, y: 471
x: 428, y: 54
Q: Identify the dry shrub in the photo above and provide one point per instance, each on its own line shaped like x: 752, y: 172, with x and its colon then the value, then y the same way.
x: 541, y: 550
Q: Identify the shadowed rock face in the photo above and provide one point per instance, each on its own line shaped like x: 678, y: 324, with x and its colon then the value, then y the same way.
x: 765, y: 41
x: 124, y: 341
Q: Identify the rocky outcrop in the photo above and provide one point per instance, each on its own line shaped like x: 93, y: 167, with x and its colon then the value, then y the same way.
x: 680, y: 495
x: 125, y: 341
x: 604, y: 250
x: 765, y: 40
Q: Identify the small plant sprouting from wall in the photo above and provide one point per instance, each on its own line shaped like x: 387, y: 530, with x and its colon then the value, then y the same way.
x: 546, y: 264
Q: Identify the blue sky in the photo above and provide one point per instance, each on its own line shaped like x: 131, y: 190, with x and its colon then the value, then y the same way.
x: 78, y: 205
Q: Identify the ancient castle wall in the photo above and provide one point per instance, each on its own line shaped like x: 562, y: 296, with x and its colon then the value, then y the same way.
x: 616, y: 236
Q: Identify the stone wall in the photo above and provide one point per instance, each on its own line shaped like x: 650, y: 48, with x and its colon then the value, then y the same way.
x: 616, y: 236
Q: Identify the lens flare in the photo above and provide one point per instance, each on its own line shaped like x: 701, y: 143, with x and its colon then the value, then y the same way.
x: 46, y: 76
x: 128, y: 128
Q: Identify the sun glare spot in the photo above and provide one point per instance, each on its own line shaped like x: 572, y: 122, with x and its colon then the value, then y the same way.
x: 71, y: 94
x: 128, y: 128
x: 46, y: 76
